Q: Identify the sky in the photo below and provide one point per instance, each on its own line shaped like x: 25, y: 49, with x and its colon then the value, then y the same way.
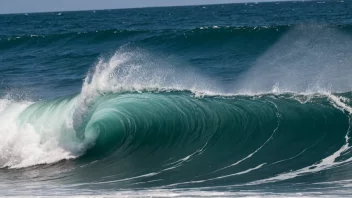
x: 26, y: 6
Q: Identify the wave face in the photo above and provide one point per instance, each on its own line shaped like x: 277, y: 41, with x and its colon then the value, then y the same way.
x: 181, y: 101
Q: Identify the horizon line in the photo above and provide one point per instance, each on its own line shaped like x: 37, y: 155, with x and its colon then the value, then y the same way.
x: 161, y: 6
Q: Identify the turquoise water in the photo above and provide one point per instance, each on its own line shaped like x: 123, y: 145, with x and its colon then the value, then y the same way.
x: 240, y: 100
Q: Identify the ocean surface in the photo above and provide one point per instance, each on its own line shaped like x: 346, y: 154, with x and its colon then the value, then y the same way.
x: 235, y: 100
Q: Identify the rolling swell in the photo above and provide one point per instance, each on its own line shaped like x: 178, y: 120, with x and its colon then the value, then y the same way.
x: 48, y: 39
x: 195, y: 36
x: 200, y: 33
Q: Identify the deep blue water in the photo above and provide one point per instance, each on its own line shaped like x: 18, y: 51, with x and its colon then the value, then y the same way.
x: 211, y: 100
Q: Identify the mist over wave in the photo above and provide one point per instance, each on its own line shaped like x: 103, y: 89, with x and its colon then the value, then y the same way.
x: 309, y: 59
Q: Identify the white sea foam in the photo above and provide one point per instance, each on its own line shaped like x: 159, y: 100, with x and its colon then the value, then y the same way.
x: 28, y: 143
x: 139, y: 71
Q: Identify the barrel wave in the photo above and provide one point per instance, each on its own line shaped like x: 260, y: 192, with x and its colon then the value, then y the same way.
x: 194, y: 137
x: 237, y: 100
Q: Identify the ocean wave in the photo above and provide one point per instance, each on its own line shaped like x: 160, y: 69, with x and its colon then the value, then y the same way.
x: 124, y: 109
